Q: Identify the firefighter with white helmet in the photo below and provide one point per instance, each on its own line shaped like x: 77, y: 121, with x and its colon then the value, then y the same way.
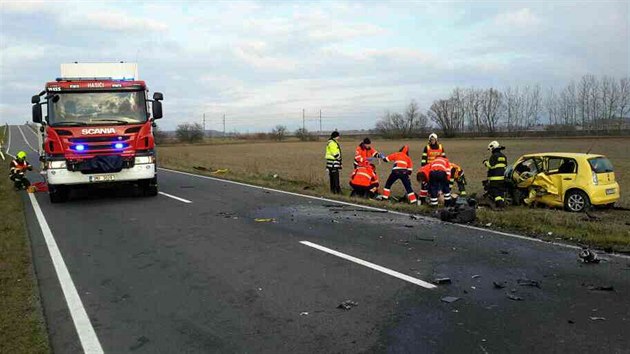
x: 496, y: 165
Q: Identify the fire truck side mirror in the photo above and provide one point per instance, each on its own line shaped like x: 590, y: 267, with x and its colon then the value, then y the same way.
x: 158, y: 96
x: 37, y: 113
x: 35, y: 99
x: 157, y: 109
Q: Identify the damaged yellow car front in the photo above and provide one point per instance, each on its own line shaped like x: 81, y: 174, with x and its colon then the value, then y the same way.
x: 570, y: 180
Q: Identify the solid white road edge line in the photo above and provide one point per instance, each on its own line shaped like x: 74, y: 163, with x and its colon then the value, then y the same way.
x: 176, y: 198
x: 26, y: 141
x: 87, y: 336
x: 376, y: 267
x: 426, y: 218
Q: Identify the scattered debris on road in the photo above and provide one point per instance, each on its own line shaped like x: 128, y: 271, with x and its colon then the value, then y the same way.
x: 489, y: 224
x: 347, y: 305
x: 602, y: 288
x: 597, y: 318
x: 425, y: 239
x: 304, y: 313
x: 528, y: 282
x: 200, y: 168
x: 220, y: 171
x: 504, y: 252
x: 409, y: 226
x: 499, y: 285
x: 475, y: 276
x: 265, y: 220
x: 449, y: 299
x: 514, y: 297
x: 588, y: 256
x: 441, y: 281
x: 139, y: 343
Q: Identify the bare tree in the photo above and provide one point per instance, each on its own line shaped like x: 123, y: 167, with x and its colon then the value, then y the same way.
x: 473, y: 105
x: 304, y: 135
x: 624, y: 97
x: 448, y: 114
x: 189, y: 133
x: 414, y: 120
x: 491, y: 109
x: 531, y: 105
x: 279, y: 132
x: 551, y: 105
x: 395, y: 125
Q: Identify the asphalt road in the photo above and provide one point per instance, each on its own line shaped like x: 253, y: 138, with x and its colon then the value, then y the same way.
x: 159, y: 275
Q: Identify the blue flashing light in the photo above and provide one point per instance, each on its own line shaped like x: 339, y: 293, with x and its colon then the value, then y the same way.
x: 119, y: 145
x: 79, y: 147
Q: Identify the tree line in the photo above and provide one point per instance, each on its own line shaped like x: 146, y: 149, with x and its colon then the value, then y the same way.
x: 590, y: 103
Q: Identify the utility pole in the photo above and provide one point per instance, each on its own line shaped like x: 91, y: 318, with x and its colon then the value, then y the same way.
x: 204, y: 124
x: 320, y: 122
x: 303, y: 121
x: 223, y: 125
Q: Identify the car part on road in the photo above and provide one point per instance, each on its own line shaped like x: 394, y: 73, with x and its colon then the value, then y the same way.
x: 602, y: 288
x: 347, y: 305
x: 588, y: 256
x: 449, y: 299
x: 265, y: 220
x: 528, y: 282
x: 442, y: 281
x: 514, y: 297
x: 499, y: 285
x: 598, y: 318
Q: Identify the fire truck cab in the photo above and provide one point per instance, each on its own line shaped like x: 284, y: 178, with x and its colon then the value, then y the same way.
x: 97, y: 128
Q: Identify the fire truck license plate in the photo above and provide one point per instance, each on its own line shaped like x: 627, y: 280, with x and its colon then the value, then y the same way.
x: 102, y: 178
x: 610, y: 191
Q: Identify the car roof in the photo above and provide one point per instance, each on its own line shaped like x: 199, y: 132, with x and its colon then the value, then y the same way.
x: 572, y: 155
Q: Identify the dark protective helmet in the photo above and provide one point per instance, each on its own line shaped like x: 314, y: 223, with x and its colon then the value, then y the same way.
x: 367, y: 141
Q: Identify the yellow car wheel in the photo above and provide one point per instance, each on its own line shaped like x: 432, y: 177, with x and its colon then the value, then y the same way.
x: 576, y: 201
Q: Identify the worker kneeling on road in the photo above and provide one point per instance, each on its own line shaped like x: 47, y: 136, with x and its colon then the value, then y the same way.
x: 364, y: 181
x: 17, y: 171
x: 437, y: 176
x: 457, y: 176
x: 496, y: 165
x: 403, y: 166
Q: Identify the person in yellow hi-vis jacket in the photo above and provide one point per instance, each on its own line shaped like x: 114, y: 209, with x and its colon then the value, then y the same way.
x: 333, y: 162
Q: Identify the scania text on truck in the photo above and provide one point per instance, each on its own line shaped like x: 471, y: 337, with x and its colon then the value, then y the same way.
x: 97, y: 128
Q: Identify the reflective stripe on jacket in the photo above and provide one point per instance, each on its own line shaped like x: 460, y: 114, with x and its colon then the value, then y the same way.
x: 496, y: 166
x: 431, y: 152
x: 364, y: 177
x: 441, y: 164
x: 401, y: 160
x: 362, y: 154
x: 333, y: 154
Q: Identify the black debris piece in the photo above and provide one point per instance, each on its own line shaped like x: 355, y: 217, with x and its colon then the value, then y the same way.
x: 200, y: 168
x: 442, y: 281
x: 505, y: 252
x: 602, y: 288
x: 499, y: 285
x: 449, y: 299
x: 514, y: 297
x: 425, y: 239
x: 588, y: 256
x: 347, y: 305
x: 570, y: 321
x: 528, y: 282
x: 414, y: 217
x: 409, y: 226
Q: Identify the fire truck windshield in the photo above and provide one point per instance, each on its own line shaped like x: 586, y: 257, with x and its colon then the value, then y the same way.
x: 87, y: 108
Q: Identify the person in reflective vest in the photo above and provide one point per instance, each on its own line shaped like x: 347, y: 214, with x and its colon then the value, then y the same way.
x: 365, y: 153
x: 496, y: 165
x: 432, y: 150
x: 457, y: 176
x: 436, y: 176
x: 364, y: 181
x: 403, y: 167
x: 333, y: 162
x: 18, y: 169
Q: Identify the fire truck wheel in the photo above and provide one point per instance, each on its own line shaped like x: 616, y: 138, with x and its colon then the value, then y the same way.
x: 58, y: 194
x: 149, y: 187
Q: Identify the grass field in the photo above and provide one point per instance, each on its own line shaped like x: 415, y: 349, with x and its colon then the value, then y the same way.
x: 300, y: 166
x: 22, y: 328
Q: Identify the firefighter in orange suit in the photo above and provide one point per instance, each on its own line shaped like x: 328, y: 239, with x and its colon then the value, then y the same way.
x: 403, y: 167
x: 364, y: 181
x: 436, y: 176
x: 432, y: 150
x: 365, y: 152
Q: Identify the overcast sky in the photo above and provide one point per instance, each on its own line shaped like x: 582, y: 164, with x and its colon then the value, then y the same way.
x: 261, y: 63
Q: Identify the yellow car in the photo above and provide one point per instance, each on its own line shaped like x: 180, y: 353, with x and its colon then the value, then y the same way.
x: 558, y: 179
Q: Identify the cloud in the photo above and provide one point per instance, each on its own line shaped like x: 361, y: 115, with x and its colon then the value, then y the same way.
x: 119, y: 21
x: 523, y: 18
x: 24, y: 6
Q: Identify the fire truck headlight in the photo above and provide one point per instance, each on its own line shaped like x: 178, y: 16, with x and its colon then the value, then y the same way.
x: 144, y: 160
x: 56, y: 164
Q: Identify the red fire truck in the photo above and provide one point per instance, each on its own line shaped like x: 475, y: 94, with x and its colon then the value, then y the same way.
x: 97, y: 128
